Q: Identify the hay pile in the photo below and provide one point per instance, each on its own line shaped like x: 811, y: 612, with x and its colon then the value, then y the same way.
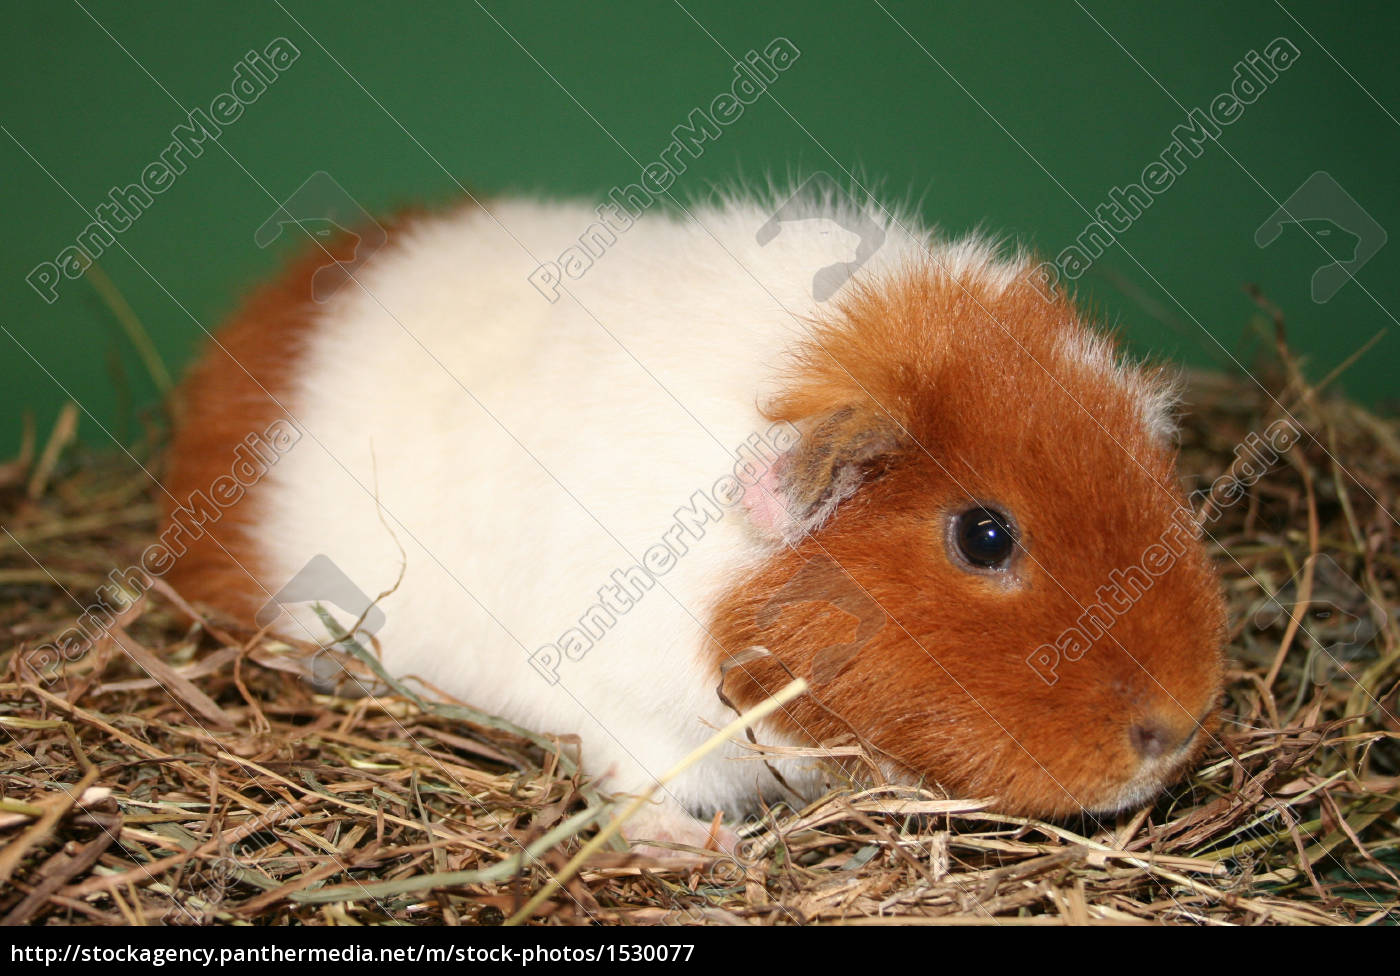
x: 229, y: 790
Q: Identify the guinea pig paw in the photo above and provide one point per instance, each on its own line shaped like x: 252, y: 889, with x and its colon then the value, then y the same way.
x: 648, y: 830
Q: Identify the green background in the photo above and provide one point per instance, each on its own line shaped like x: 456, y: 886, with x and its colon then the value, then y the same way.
x: 1014, y: 116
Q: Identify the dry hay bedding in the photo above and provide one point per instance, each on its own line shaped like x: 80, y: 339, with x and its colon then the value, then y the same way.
x: 186, y: 774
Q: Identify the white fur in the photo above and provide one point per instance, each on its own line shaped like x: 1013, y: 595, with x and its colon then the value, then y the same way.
x: 521, y: 451
x: 1155, y: 393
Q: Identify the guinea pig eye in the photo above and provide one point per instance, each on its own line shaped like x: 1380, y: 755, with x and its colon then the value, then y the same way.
x: 984, y: 537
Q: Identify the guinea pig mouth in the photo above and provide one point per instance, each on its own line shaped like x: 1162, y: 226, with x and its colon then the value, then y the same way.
x: 1152, y: 776
x: 1160, y: 764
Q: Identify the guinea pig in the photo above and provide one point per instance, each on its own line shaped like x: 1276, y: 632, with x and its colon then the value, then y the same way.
x: 617, y: 474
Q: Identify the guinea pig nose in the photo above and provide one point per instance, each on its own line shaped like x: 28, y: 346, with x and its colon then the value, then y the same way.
x: 1153, y: 738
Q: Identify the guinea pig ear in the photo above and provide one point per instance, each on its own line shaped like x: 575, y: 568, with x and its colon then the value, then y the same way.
x: 837, y: 453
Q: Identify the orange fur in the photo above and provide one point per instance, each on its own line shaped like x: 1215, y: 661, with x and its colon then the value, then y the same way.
x: 943, y: 688
x: 243, y: 382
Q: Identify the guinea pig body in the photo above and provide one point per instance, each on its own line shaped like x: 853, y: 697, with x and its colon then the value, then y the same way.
x: 598, y: 504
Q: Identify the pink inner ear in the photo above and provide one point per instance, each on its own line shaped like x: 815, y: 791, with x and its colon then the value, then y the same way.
x: 764, y: 502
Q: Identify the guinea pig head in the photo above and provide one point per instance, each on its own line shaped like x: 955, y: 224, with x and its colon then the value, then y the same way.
x: 983, y: 562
